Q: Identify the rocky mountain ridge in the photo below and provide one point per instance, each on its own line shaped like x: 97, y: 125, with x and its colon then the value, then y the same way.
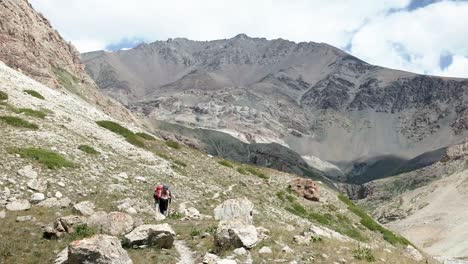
x: 313, y: 98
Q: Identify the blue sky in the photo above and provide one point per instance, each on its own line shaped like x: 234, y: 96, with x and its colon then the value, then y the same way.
x: 424, y: 36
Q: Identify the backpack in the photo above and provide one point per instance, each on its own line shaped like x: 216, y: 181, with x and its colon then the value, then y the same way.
x: 157, y: 191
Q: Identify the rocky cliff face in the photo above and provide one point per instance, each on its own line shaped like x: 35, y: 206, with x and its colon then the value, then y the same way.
x: 29, y: 44
x: 311, y: 97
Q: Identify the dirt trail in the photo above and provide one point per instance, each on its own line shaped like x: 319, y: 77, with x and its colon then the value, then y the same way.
x: 186, y: 255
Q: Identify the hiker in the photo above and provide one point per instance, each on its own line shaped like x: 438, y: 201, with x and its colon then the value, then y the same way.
x: 162, y: 198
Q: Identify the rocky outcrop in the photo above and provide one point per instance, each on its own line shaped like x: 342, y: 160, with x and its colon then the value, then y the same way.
x: 114, y: 223
x: 161, y: 236
x: 63, y: 225
x: 241, y: 209
x: 29, y: 44
x: 306, y: 188
x: 100, y: 249
x: 455, y: 152
x: 85, y: 208
x: 235, y: 234
x: 18, y: 205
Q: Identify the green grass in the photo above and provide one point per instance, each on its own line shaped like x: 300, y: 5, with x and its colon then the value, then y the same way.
x: 362, y: 253
x: 82, y: 231
x: 162, y: 155
x: 145, y: 136
x: 195, y: 232
x: 88, y: 149
x: 120, y: 130
x: 175, y: 216
x: 173, y: 144
x: 242, y: 171
x: 50, y: 159
x: 256, y: 172
x: 31, y: 112
x: 136, y: 141
x: 115, y: 127
x: 372, y: 225
x: 3, y: 96
x: 18, y: 122
x: 226, y: 163
x: 180, y: 163
x: 34, y: 94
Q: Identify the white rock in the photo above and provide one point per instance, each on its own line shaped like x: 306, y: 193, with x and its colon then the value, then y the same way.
x: 64, y: 202
x: 226, y: 261
x: 49, y: 203
x: 236, y: 233
x: 37, y: 185
x: 2, y: 214
x: 24, y: 218
x: 114, y: 223
x: 413, y: 253
x: 84, y: 208
x: 18, y: 205
x: 191, y: 214
x: 161, y: 236
x: 232, y: 209
x: 58, y: 195
x: 28, y: 172
x: 265, y: 250
x: 240, y: 251
x: 37, y: 197
x: 123, y: 175
x: 287, y: 250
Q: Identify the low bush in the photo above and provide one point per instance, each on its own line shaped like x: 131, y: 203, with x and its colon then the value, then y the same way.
x: 195, y: 232
x: 241, y: 171
x: 226, y: 163
x: 18, y: 122
x: 173, y: 144
x: 31, y: 112
x: 362, y: 253
x: 162, y: 155
x: 34, y: 94
x: 48, y: 158
x: 180, y: 163
x: 82, y: 231
x: 3, y: 96
x: 145, y: 136
x: 175, y: 216
x: 88, y: 149
x: 136, y: 141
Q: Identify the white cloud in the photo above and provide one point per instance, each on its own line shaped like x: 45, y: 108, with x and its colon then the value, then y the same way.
x: 378, y: 37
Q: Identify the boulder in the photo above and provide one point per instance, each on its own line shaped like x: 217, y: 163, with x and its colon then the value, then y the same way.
x: 64, y: 202
x: 25, y: 218
x: 50, y: 203
x: 37, y: 197
x: 62, y: 257
x: 306, y: 188
x: 37, y: 185
x: 413, y: 253
x: 27, y: 172
x: 18, y: 205
x: 100, y: 249
x: 69, y: 223
x: 114, y: 223
x: 191, y: 214
x: 84, y: 208
x: 151, y: 235
x: 235, y: 234
x: 232, y: 209
x: 265, y: 250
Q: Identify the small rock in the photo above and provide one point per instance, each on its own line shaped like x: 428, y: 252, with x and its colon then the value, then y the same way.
x: 61, y: 184
x: 287, y: 250
x: 123, y: 175
x: 18, y: 205
x: 49, y: 203
x: 191, y: 214
x: 210, y: 259
x: 240, y: 251
x: 58, y: 195
x: 37, y: 197
x: 306, y: 188
x: 64, y: 202
x: 325, y: 256
x: 84, y: 208
x: 24, y: 218
x: 28, y: 172
x: 2, y: 214
x: 413, y: 253
x: 37, y: 185
x: 265, y: 250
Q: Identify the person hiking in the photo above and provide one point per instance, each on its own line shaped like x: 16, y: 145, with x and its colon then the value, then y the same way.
x: 157, y: 193
x: 165, y: 200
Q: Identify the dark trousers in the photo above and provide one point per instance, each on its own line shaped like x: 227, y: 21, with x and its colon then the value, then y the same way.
x: 163, y: 206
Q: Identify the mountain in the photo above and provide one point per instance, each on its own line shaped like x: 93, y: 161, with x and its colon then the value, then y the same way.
x: 29, y: 44
x: 311, y: 97
x: 67, y: 174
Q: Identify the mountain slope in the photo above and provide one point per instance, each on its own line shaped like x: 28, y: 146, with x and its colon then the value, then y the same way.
x: 311, y: 97
x: 122, y: 174
x: 30, y: 44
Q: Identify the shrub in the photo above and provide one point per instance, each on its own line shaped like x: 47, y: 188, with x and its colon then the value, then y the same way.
x: 88, y: 149
x: 31, y: 112
x: 48, y: 158
x: 281, y: 195
x: 322, y: 219
x: 116, y: 128
x: 173, y: 144
x: 241, y: 171
x: 18, y: 122
x: 226, y: 163
x: 136, y: 141
x: 175, y: 216
x: 195, y: 232
x: 34, y: 94
x: 3, y: 96
x: 315, y: 238
x: 290, y: 198
x: 361, y: 253
x: 162, y: 155
x: 145, y: 136
x: 256, y: 172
